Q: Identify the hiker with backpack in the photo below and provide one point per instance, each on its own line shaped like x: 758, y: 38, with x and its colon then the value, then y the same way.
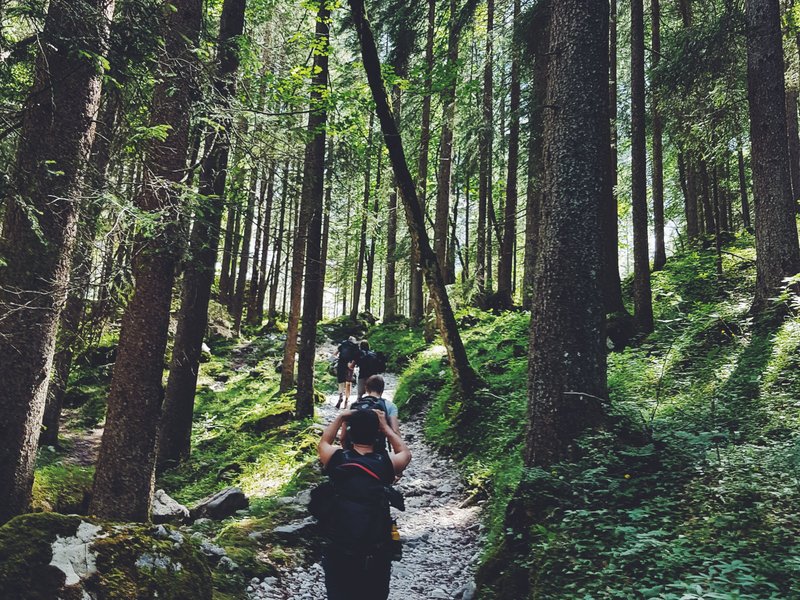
x: 369, y: 363
x: 356, y: 515
x: 346, y: 353
x: 373, y: 399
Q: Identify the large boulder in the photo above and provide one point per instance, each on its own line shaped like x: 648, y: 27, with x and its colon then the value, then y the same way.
x: 167, y: 510
x: 49, y: 555
x: 220, y: 505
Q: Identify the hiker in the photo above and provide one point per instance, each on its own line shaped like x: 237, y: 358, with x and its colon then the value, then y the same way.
x: 369, y: 363
x: 373, y: 399
x: 346, y: 353
x: 358, y: 564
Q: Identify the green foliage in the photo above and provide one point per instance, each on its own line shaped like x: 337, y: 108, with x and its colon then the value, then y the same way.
x: 62, y: 488
x: 398, y: 341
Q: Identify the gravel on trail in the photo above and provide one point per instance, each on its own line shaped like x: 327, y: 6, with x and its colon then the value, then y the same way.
x: 440, y: 531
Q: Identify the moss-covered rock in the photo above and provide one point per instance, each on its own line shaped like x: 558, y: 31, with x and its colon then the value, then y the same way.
x: 49, y: 555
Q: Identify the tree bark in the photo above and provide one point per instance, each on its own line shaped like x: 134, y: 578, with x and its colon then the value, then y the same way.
x: 39, y: 227
x: 660, y: 255
x: 198, y: 278
x: 642, y: 298
x: 374, y: 235
x: 777, y: 254
x: 278, y: 250
x: 743, y: 190
x: 793, y: 141
x: 464, y: 376
x: 326, y: 227
x: 313, y: 191
x: 237, y: 304
x: 506, y: 266
x: 123, y: 484
x: 567, y: 364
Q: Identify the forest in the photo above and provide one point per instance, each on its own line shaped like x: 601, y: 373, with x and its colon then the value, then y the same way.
x: 568, y: 227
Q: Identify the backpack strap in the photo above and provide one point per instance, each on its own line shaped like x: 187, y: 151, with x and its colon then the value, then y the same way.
x: 362, y: 467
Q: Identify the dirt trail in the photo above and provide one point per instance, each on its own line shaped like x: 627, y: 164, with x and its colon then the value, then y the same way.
x: 440, y: 535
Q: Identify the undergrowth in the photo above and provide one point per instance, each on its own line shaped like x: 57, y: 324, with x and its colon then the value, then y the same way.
x: 689, y: 493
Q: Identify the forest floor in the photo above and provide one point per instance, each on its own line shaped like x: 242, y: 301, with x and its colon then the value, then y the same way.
x: 440, y: 527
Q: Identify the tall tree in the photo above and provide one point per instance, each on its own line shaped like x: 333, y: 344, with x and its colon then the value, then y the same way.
x: 567, y: 364
x: 612, y: 286
x: 198, y: 278
x: 464, y: 376
x: 777, y: 254
x: 642, y: 297
x: 415, y: 286
x: 660, y: 255
x: 505, y: 266
x: 278, y: 250
x: 313, y: 191
x: 39, y: 227
x: 362, y: 237
x: 255, y: 308
x: 123, y: 484
x: 482, y: 262
x: 743, y: 188
x: 535, y: 184
x: 237, y: 304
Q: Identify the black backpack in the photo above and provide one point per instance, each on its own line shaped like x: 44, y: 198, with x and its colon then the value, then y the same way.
x: 347, y: 351
x: 371, y: 403
x: 371, y: 363
x: 353, y: 506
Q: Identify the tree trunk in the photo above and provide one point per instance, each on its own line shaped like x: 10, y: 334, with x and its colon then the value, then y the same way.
x: 567, y: 364
x: 374, y: 234
x: 123, y: 484
x: 57, y: 124
x: 255, y: 312
x: 793, y: 141
x: 464, y: 376
x: 485, y: 162
x: 446, y: 151
x: 535, y: 185
x: 326, y: 228
x: 72, y: 315
x: 176, y: 421
x: 743, y: 190
x: 708, y: 206
x: 227, y: 252
x: 777, y: 254
x: 313, y: 190
x: 642, y: 298
x: 276, y: 268
x: 660, y: 256
x: 506, y: 266
x: 416, y: 301
x: 237, y: 303
x: 362, y: 236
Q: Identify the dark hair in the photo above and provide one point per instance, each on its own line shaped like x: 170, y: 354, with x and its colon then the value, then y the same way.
x: 363, y: 427
x: 375, y: 383
x: 364, y: 345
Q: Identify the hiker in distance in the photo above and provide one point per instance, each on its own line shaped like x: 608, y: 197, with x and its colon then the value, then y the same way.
x: 369, y: 363
x: 357, y: 563
x: 346, y: 353
x: 373, y: 399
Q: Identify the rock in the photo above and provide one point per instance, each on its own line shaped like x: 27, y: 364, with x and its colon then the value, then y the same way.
x: 469, y: 591
x: 445, y: 489
x: 268, y: 422
x: 220, y: 505
x: 167, y: 510
x: 48, y: 555
x: 213, y: 552
x: 226, y: 564
x: 296, y: 529
x: 439, y: 594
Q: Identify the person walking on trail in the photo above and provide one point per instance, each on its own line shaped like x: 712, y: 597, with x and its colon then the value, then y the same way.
x: 346, y: 353
x: 369, y: 363
x: 373, y: 399
x: 357, y: 563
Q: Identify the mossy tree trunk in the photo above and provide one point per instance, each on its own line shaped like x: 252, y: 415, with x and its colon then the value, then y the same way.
x: 123, y: 485
x: 39, y: 227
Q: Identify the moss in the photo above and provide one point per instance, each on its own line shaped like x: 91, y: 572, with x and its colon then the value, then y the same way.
x: 131, y: 562
x: 25, y: 553
x: 62, y: 488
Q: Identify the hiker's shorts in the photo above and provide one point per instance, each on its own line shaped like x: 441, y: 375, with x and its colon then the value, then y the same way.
x: 355, y: 577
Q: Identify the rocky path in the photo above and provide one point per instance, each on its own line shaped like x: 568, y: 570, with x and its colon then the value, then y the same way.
x: 440, y: 530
